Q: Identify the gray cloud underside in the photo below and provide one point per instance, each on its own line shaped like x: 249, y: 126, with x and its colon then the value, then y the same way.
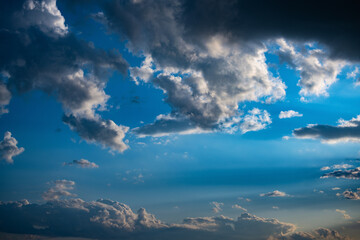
x: 349, y: 174
x: 107, y: 219
x: 38, y: 52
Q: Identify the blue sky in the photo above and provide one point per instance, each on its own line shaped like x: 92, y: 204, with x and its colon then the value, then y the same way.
x: 190, y: 115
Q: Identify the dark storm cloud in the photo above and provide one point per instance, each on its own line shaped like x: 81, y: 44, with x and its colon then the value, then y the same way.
x: 106, y: 219
x: 332, y: 23
x: 38, y: 52
x: 83, y: 163
x: 105, y: 132
x: 345, y: 131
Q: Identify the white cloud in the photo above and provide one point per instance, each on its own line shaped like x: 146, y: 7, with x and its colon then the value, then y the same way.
x: 43, y: 14
x: 289, y: 114
x: 255, y: 120
x: 9, y: 148
x: 317, y: 71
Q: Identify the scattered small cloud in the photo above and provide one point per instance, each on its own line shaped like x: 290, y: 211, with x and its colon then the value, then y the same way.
x: 236, y: 206
x: 344, y: 213
x: 217, y: 206
x: 82, y: 163
x: 289, y: 114
x: 275, y: 193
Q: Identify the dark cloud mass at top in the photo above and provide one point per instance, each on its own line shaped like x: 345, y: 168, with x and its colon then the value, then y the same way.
x: 209, y: 56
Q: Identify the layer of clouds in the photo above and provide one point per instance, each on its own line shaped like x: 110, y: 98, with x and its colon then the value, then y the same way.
x: 345, y: 131
x: 275, y: 193
x: 83, y: 163
x: 59, y: 189
x: 337, y: 166
x: 317, y: 234
x: 289, y: 114
x: 106, y: 219
x: 9, y: 148
x: 349, y: 173
x: 40, y: 53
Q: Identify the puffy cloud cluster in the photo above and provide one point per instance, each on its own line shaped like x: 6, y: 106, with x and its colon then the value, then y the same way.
x: 83, y: 163
x: 5, y: 97
x: 40, y: 53
x: 203, y: 78
x: 106, y: 219
x: 9, y: 148
x: 345, y: 131
x: 255, y: 120
x: 337, y: 166
x: 351, y: 195
x: 289, y: 114
x: 59, y: 189
x: 275, y: 193
x: 344, y: 173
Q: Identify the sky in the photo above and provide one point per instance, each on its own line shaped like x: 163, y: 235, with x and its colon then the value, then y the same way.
x: 157, y: 119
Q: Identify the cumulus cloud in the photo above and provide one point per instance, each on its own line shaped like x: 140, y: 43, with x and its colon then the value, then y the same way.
x: 59, y: 189
x: 275, y: 193
x: 40, y: 53
x: 317, y: 71
x: 203, y: 79
x: 344, y: 213
x: 108, y: 219
x: 289, y: 114
x: 345, y: 131
x: 9, y: 148
x: 83, y: 163
x: 349, y: 174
